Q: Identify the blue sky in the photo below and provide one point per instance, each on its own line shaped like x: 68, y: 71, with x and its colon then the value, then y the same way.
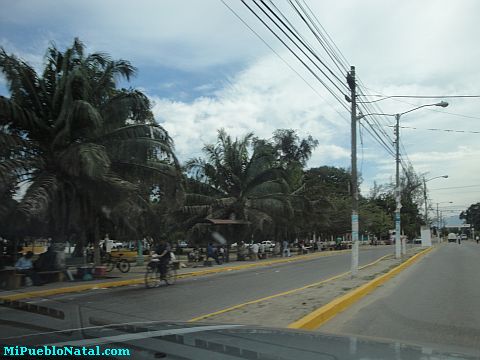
x: 205, y: 70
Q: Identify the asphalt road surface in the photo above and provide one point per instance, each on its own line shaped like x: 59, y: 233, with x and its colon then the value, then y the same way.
x: 188, y: 298
x: 435, y: 302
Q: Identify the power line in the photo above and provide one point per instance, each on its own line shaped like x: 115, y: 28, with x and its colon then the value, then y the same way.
x: 296, y: 55
x: 378, y: 139
x: 284, y: 61
x: 374, y: 127
x: 318, y: 35
x: 296, y: 44
x: 307, y: 46
x: 328, y: 40
x: 337, y: 60
x: 384, y: 97
x: 432, y: 109
x: 445, y: 130
x: 456, y: 187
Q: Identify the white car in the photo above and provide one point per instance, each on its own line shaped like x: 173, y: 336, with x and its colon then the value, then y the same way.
x: 268, y: 244
x: 182, y: 244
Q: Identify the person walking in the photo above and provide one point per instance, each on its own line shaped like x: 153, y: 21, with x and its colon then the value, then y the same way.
x: 277, y: 250
x: 286, y: 250
x: 212, y: 253
x: 255, y: 248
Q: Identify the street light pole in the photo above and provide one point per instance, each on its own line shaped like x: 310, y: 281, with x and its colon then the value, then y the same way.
x: 425, y: 199
x: 398, y: 246
x: 354, y: 186
x: 398, y: 199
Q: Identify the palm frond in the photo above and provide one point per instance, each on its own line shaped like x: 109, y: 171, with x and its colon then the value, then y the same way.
x: 39, y: 195
x: 258, y: 219
x: 87, y: 159
x: 199, y: 210
x: 269, y: 176
x: 22, y: 80
x: 19, y: 117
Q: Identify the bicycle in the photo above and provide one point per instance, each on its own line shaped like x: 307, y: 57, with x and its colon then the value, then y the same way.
x: 153, y: 278
x: 117, y: 262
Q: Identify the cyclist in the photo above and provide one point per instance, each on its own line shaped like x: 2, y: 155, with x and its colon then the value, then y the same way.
x: 162, y: 253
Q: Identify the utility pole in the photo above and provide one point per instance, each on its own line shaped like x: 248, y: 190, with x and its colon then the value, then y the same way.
x: 425, y: 199
x: 398, y: 245
x: 354, y: 187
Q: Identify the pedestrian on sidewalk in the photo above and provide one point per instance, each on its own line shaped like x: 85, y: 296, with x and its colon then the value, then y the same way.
x: 212, y: 253
x: 277, y: 250
x: 286, y: 249
x: 261, y: 251
x: 221, y: 254
x: 255, y: 249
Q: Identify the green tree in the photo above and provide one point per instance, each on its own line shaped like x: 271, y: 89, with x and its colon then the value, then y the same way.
x: 472, y: 215
x: 328, y: 190
x: 238, y: 179
x: 83, y: 145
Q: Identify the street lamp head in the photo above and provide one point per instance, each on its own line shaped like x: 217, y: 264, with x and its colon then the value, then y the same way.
x: 442, y: 104
x: 445, y: 176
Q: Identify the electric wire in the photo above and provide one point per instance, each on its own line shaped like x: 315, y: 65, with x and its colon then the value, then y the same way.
x: 385, y: 97
x: 295, y: 43
x: 373, y: 127
x: 324, y: 45
x: 296, y: 55
x: 431, y: 109
x: 445, y: 130
x: 304, y: 43
x: 283, y: 60
x: 328, y: 40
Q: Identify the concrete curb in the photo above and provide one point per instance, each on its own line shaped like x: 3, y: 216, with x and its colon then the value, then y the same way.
x: 320, y: 316
x: 117, y: 283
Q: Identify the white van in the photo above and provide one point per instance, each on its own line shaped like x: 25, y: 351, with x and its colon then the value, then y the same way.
x: 452, y: 237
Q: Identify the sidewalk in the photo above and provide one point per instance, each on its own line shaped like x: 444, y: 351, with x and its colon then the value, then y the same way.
x: 136, y: 276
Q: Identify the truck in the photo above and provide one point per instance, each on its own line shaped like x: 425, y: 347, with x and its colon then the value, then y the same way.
x: 452, y: 237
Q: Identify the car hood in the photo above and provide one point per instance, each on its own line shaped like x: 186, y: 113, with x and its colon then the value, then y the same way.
x: 153, y: 340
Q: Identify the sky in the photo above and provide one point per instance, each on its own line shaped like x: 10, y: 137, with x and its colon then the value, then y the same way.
x: 205, y: 70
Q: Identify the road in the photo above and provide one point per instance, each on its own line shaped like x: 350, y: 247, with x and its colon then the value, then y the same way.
x: 189, y: 298
x: 435, y: 302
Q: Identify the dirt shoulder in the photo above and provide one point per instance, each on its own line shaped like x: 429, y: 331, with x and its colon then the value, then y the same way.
x: 282, y: 310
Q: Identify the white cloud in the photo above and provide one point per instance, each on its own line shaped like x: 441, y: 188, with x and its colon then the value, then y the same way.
x: 262, y: 98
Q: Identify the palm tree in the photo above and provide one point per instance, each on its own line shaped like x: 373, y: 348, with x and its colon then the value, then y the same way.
x: 231, y: 183
x: 80, y: 144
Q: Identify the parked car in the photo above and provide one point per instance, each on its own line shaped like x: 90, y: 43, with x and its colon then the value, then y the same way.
x: 268, y: 244
x: 182, y: 244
